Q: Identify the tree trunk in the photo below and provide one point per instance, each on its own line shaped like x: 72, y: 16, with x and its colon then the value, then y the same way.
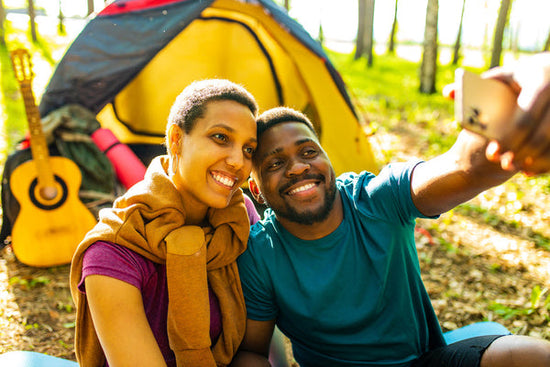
x: 287, y: 5
x: 547, y: 43
x: 2, y: 18
x: 32, y: 21
x: 61, y: 17
x: 90, y: 7
x: 365, y: 42
x: 391, y: 42
x: 428, y: 67
x: 502, y: 21
x: 486, y: 45
x: 369, y: 34
x: 514, y: 39
x: 321, y: 37
x: 456, y: 52
x: 359, y: 44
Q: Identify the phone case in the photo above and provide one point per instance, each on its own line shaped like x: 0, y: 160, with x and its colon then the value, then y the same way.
x: 485, y: 106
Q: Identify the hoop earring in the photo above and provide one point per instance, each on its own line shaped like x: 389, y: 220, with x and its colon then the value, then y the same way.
x: 174, y: 165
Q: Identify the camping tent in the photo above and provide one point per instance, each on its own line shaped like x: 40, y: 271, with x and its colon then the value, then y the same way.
x: 131, y: 60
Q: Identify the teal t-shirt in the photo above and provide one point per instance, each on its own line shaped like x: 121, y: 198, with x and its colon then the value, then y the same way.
x: 354, y: 297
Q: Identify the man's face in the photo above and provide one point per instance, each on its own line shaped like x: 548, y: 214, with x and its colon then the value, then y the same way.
x: 294, y: 174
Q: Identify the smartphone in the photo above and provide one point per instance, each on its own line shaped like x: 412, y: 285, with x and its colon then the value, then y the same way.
x: 485, y: 106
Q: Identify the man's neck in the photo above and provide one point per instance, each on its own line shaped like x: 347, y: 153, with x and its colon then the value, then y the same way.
x: 316, y: 230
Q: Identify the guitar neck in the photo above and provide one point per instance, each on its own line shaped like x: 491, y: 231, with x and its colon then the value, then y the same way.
x: 39, y: 146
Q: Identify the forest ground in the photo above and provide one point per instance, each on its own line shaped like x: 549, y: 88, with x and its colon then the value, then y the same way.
x: 473, y: 271
x: 486, y: 260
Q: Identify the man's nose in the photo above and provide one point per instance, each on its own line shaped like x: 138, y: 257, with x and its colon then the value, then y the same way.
x: 297, y: 167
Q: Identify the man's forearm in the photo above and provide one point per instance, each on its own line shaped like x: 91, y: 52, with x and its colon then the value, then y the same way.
x: 458, y: 175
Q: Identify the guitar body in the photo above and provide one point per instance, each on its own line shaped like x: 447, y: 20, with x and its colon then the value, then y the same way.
x: 47, y: 232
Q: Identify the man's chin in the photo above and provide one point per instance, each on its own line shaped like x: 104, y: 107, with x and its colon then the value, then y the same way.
x: 305, y: 214
x: 306, y: 217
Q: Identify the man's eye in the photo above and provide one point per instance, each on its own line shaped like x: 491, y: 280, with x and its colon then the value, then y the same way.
x: 310, y: 153
x: 274, y: 165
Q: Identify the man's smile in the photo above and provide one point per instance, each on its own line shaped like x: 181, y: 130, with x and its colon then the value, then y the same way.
x: 302, y: 188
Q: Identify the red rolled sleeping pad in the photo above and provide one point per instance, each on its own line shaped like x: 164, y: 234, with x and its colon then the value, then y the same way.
x: 129, y: 169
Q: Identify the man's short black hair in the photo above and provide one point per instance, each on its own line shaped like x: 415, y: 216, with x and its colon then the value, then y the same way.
x: 279, y: 115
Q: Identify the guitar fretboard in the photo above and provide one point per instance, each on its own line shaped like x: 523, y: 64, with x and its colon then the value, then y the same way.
x: 39, y: 146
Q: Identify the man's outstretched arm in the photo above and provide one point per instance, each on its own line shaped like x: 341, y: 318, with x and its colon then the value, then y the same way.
x: 469, y: 168
x: 456, y: 176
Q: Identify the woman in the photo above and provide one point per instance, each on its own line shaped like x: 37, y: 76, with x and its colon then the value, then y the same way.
x: 155, y: 281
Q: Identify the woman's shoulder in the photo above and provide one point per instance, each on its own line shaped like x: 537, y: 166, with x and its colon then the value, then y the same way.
x: 111, y: 259
x: 104, y: 251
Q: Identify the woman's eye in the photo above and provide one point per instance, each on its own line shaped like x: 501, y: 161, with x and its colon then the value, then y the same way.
x: 249, y: 151
x: 222, y: 138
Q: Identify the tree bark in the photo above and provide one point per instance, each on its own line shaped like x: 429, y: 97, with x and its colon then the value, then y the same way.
x: 391, y: 42
x: 365, y: 30
x: 61, y: 17
x: 502, y: 21
x: 428, y: 67
x: 2, y: 18
x: 90, y: 7
x: 456, y: 51
x: 321, y: 37
x: 32, y: 21
x: 547, y: 43
x: 287, y: 5
x: 361, y: 14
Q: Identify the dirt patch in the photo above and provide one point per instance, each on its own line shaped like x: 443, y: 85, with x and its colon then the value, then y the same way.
x: 36, y: 309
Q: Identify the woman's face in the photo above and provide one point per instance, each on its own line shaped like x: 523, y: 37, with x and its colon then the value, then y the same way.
x: 215, y: 158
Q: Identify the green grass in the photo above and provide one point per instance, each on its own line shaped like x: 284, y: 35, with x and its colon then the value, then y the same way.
x: 387, y: 94
x: 13, y: 110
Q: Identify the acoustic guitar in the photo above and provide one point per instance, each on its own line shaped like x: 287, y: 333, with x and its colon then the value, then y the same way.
x: 52, y: 220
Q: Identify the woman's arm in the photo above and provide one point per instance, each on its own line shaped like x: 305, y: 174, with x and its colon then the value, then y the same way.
x: 121, y: 324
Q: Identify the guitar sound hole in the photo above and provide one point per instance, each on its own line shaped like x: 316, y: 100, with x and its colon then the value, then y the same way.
x: 57, y: 204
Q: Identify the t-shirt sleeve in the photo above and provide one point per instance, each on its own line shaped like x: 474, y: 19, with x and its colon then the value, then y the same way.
x: 258, y: 293
x: 112, y: 260
x: 386, y: 196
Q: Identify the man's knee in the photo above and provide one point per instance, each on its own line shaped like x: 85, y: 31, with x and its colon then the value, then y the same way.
x: 516, y: 350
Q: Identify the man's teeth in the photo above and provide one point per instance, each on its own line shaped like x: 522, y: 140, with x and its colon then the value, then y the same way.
x: 301, y: 188
x: 224, y: 180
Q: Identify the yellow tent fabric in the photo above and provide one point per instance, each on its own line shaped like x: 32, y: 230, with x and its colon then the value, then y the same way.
x: 230, y: 39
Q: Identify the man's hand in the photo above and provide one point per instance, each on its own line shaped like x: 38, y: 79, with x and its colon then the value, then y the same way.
x: 528, y: 147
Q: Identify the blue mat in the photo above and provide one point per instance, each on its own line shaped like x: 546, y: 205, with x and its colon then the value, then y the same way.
x: 34, y: 359
x: 477, y: 329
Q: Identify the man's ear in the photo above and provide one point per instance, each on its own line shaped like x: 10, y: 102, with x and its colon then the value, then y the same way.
x: 174, y: 139
x: 255, y: 190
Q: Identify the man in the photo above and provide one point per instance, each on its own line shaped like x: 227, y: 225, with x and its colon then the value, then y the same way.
x: 334, y: 262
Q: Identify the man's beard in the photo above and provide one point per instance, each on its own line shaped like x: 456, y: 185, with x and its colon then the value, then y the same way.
x: 309, y: 217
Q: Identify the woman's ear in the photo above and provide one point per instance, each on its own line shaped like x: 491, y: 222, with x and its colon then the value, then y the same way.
x: 174, y: 139
x: 254, y: 189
